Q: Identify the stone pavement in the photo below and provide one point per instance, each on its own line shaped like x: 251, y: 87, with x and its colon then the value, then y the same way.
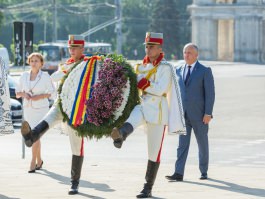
x: 237, y: 169
x: 237, y: 155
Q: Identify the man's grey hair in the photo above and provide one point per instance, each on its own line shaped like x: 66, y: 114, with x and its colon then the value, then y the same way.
x: 192, y: 45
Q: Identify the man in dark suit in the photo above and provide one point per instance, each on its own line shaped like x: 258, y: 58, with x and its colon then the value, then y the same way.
x: 197, y: 91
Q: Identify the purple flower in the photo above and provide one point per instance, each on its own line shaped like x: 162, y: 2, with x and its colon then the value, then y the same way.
x: 107, y: 93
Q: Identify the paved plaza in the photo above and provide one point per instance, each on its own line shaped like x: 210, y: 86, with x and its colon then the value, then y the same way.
x: 237, y: 153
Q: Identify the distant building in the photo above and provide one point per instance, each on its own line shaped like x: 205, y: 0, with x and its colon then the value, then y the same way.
x: 229, y: 30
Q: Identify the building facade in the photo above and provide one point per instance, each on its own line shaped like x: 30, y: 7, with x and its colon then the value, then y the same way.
x: 229, y: 30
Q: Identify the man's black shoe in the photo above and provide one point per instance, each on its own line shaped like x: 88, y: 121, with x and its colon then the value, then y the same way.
x: 175, y: 176
x: 204, y: 176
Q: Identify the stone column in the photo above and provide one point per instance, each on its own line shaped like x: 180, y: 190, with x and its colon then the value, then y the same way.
x: 225, y: 46
x: 247, y: 39
x: 262, y: 41
x: 204, y: 34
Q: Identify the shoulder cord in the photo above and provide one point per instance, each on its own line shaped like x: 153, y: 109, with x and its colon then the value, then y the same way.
x: 149, y: 72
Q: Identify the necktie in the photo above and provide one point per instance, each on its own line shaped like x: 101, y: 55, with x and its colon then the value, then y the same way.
x: 188, y: 75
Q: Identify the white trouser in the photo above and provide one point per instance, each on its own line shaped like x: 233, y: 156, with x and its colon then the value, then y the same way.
x: 76, y: 142
x: 53, y: 117
x: 155, y: 133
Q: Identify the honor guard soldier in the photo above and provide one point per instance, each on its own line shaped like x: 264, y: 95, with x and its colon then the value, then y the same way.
x: 154, y: 80
x: 54, y: 116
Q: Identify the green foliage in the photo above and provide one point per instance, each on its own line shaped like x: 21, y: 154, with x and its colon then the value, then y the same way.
x: 165, y: 20
x: 1, y: 19
x: 12, y: 49
x: 78, y: 16
x: 136, y: 19
x: 171, y: 18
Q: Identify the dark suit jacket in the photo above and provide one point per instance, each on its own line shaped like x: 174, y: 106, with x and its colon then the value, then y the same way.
x: 198, y: 94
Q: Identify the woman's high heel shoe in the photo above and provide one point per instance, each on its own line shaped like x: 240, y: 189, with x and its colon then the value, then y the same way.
x: 31, y: 171
x: 38, y: 168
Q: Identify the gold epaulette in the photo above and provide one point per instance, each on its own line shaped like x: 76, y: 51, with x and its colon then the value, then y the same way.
x: 136, y: 68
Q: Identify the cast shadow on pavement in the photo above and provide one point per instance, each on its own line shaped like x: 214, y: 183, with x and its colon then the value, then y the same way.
x: 83, y: 183
x: 228, y: 186
x: 89, y: 196
x: 6, y: 197
x: 156, y: 197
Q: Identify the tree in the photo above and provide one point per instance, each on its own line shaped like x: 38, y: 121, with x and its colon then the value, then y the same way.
x: 1, y: 14
x: 1, y: 19
x: 136, y: 19
x: 184, y: 24
x: 165, y: 20
x: 77, y: 16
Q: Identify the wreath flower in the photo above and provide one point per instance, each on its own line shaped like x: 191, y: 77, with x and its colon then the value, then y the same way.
x: 108, y: 93
x: 112, y: 97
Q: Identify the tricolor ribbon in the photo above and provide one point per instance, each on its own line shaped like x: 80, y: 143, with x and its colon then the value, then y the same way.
x: 83, y: 92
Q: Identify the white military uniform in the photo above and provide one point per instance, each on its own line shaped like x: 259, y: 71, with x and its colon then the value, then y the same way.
x: 54, y: 116
x: 153, y: 110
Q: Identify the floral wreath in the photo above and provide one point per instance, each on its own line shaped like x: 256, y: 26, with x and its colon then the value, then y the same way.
x: 110, y: 95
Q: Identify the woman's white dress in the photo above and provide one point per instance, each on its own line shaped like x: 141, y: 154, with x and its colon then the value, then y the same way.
x: 34, y: 111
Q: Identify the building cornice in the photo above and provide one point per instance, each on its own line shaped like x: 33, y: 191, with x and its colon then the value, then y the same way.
x: 230, y: 11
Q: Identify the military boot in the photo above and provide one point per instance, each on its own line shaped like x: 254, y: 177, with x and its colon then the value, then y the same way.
x: 77, y: 162
x: 120, y: 135
x: 32, y: 135
x: 151, y: 171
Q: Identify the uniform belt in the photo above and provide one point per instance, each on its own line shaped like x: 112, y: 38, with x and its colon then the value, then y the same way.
x: 145, y: 93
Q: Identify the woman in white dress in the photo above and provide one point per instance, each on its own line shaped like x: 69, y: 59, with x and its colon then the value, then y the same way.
x: 6, y: 126
x: 35, y: 87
